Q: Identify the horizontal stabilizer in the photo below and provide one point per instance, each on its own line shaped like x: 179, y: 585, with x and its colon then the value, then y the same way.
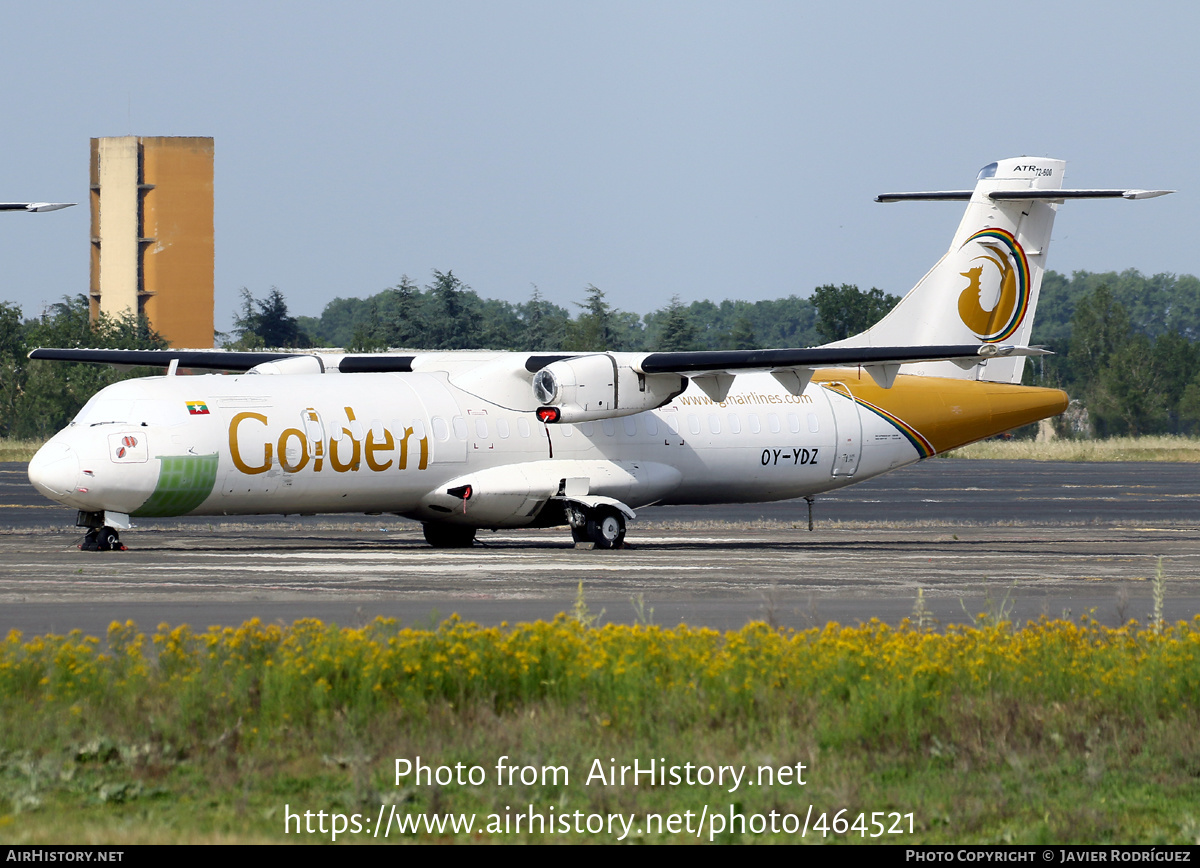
x: 1012, y: 195
x: 34, y: 206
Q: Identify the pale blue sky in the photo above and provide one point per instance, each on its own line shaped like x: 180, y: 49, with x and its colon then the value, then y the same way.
x: 709, y: 150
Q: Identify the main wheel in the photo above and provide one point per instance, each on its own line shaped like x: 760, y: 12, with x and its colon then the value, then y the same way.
x: 448, y: 536
x: 606, y: 528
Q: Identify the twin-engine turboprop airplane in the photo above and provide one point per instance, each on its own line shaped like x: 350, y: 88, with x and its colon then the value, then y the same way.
x: 468, y: 440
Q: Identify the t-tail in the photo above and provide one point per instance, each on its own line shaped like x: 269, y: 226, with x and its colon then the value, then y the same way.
x: 985, y: 289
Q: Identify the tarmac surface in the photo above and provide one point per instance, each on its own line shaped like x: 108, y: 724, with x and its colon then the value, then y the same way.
x: 1015, y: 539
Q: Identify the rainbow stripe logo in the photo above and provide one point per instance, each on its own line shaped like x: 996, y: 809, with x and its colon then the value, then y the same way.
x: 924, y: 447
x: 1004, y: 254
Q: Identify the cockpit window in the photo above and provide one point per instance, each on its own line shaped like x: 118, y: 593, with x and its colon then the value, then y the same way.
x: 102, y: 410
x: 988, y: 171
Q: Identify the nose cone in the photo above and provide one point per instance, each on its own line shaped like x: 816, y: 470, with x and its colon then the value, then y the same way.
x: 54, y: 470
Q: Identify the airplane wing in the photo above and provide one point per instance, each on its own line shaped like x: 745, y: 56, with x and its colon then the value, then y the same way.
x: 207, y: 360
x: 34, y: 206
x: 506, y: 378
x: 713, y: 371
x: 234, y: 362
x: 745, y: 361
x: 688, y: 363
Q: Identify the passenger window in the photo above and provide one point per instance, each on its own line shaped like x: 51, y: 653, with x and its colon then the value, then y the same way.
x: 502, y: 428
x: 588, y: 428
x: 312, y: 425
x: 814, y: 424
x: 773, y: 423
x: 735, y: 424
x: 630, y: 425
x: 693, y: 423
x: 567, y: 430
x: 460, y: 427
x: 481, y: 427
x: 673, y: 423
x: 440, y: 430
x: 651, y: 425
x: 419, y: 429
x: 752, y: 421
x: 793, y: 423
x: 714, y: 424
x: 609, y: 428
x: 523, y: 427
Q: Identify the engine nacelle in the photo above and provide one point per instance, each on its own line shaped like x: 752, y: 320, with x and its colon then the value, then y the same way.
x: 586, y: 388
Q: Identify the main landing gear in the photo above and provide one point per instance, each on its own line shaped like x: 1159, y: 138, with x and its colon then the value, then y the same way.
x: 603, y: 526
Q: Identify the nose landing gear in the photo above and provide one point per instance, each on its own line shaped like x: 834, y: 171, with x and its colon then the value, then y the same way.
x: 102, y: 539
x: 101, y: 536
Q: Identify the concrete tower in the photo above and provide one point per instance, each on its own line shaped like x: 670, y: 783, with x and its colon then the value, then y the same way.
x: 152, y: 233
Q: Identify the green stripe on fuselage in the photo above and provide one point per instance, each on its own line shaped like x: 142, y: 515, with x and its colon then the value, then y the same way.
x: 184, y: 482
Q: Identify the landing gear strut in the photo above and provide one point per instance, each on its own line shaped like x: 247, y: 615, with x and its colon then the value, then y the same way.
x: 603, y: 526
x: 102, y: 539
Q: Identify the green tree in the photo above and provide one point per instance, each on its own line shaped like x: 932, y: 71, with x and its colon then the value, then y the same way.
x: 593, y: 330
x: 1127, y: 398
x: 742, y: 337
x: 1099, y: 328
x: 401, y: 317
x: 452, y: 321
x: 43, y: 397
x: 545, y: 324
x: 266, y: 323
x: 845, y: 310
x: 12, y: 363
x: 678, y: 330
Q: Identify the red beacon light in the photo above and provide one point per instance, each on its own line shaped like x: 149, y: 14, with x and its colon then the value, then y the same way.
x: 548, y: 414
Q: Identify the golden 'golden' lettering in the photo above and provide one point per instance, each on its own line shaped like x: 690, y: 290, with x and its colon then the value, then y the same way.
x: 236, y: 454
x: 403, y: 465
x: 283, y: 455
x: 369, y: 448
x: 388, y: 444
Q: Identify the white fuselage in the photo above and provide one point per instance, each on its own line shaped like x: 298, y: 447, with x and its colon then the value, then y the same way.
x: 376, y: 443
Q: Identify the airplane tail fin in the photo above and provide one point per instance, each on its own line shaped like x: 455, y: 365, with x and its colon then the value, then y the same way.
x: 985, y: 288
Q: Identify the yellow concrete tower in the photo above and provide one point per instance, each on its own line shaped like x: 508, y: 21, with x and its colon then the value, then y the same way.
x: 152, y: 233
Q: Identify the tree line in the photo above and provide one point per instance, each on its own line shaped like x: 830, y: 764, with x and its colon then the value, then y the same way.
x: 1127, y: 345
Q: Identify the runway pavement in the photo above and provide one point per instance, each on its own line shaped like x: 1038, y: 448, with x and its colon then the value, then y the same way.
x: 1021, y: 538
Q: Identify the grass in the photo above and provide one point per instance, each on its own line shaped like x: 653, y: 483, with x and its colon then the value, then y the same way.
x: 18, y: 450
x: 1150, y: 448
x: 1056, y: 732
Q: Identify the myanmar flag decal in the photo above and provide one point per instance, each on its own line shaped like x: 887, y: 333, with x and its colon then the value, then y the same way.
x: 197, y: 408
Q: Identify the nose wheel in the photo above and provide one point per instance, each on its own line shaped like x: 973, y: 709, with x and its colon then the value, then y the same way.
x: 102, y: 539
